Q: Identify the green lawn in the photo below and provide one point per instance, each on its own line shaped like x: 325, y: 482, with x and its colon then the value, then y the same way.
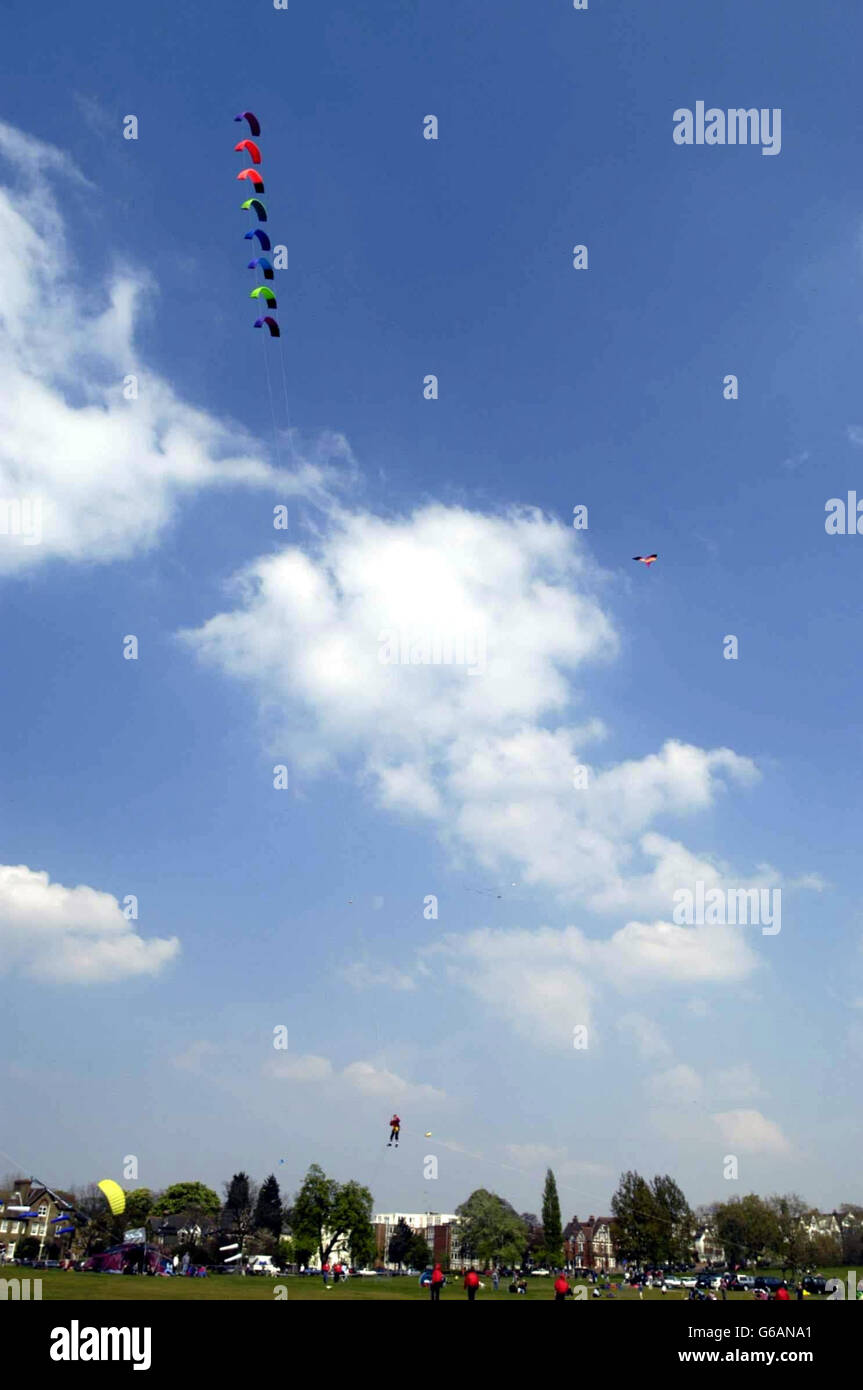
x: 58, y: 1286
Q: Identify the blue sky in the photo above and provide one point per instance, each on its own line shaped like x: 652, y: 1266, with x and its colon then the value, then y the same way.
x: 154, y: 777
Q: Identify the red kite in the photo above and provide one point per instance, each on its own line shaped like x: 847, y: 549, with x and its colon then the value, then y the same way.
x: 646, y: 559
x: 251, y: 148
x: 254, y: 176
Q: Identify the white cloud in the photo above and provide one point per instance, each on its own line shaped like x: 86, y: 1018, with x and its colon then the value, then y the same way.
x: 71, y: 935
x: 537, y: 979
x: 661, y: 953
x: 302, y: 1068
x: 739, y: 1082
x: 485, y: 757
x: 377, y: 1081
x: 678, y: 1085
x: 646, y: 1036
x: 363, y: 976
x: 814, y: 882
x: 359, y: 1076
x: 191, y: 1059
x: 748, y: 1131
x: 108, y: 472
x: 547, y: 980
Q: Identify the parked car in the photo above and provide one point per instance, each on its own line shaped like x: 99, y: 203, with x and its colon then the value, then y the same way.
x: 769, y: 1282
x: 365, y: 1273
x: 544, y: 1272
x: 740, y: 1283
x: 814, y: 1283
x: 673, y: 1281
x: 687, y: 1281
x: 708, y: 1281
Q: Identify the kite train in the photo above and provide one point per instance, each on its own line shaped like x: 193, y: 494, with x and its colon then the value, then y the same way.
x: 249, y: 149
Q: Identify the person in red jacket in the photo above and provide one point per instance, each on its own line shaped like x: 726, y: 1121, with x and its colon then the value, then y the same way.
x: 437, y: 1283
x: 782, y: 1294
x: 471, y: 1283
x: 562, y: 1291
x: 395, y: 1126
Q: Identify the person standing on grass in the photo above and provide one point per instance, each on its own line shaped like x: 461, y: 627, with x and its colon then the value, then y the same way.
x: 437, y: 1283
x: 562, y: 1291
x: 471, y: 1283
x: 325, y: 1271
x: 495, y: 1280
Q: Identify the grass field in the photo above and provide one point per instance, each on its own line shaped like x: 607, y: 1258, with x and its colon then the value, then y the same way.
x: 60, y: 1287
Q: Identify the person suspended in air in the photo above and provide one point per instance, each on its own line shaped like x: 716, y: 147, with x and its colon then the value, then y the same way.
x: 395, y: 1126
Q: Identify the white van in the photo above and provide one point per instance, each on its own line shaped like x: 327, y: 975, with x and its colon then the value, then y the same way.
x: 261, y: 1264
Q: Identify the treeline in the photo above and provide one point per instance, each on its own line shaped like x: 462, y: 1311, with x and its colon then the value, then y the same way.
x: 257, y: 1218
x: 654, y: 1225
x: 651, y: 1224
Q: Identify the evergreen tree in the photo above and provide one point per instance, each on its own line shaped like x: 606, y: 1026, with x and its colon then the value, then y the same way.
x: 240, y: 1206
x: 419, y: 1254
x: 268, y: 1212
x: 552, y: 1234
x: 635, y: 1211
x: 675, y: 1222
x: 400, y: 1243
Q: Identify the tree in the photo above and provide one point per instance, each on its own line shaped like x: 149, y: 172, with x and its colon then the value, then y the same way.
x: 746, y: 1228
x: 268, y: 1212
x: 363, y: 1246
x: 139, y: 1204
x: 192, y: 1198
x: 325, y: 1211
x: 825, y: 1250
x: 240, y: 1198
x: 103, y: 1229
x: 419, y: 1254
x: 552, y: 1234
x: 491, y: 1230
x: 675, y: 1223
x: 638, y: 1219
x: 532, y: 1252
x: 654, y: 1223
x: 792, y: 1242
x: 400, y: 1243
x: 851, y: 1227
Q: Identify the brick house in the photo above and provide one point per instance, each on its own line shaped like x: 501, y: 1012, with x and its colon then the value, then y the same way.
x: 590, y: 1244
